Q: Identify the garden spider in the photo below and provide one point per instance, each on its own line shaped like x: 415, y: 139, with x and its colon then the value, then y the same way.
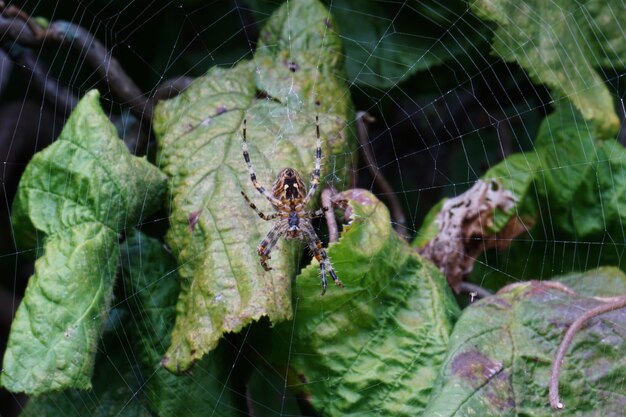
x: 288, y: 199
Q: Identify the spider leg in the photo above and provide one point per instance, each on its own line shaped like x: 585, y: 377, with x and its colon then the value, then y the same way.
x: 268, y: 243
x: 259, y: 187
x: 340, y: 204
x: 316, y: 213
x: 320, y: 254
x: 257, y: 211
x: 318, y: 158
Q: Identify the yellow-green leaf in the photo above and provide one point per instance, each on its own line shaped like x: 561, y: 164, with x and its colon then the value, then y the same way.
x: 214, y: 234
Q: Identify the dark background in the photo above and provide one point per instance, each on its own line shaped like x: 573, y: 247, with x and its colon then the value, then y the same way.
x: 433, y: 135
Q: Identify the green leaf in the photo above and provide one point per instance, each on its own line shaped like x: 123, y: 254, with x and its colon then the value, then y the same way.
x: 386, y: 44
x: 516, y: 174
x: 610, y: 186
x: 128, y: 378
x: 606, y: 33
x: 298, y: 61
x: 78, y: 193
x: 377, y: 343
x: 502, y: 349
x: 116, y: 390
x: 214, y: 234
x: 567, y: 154
x: 549, y: 40
x: 152, y: 287
x: 581, y: 178
x: 429, y: 229
x: 607, y: 281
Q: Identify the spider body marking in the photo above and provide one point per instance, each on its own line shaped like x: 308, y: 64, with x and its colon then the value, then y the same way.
x: 289, y: 197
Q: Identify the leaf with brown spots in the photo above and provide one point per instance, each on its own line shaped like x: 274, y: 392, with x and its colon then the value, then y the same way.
x: 502, y: 349
x: 214, y: 234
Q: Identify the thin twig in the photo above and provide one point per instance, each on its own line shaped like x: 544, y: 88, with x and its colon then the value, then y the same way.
x: 471, y: 288
x: 555, y: 401
x: 395, y: 208
x: 171, y: 88
x: 52, y: 91
x: 331, y: 221
x: 6, y: 67
x: 20, y: 27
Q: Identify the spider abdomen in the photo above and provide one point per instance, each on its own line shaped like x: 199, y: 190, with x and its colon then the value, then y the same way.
x: 289, y: 187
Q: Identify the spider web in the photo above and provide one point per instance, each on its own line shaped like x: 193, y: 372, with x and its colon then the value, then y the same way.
x: 445, y: 109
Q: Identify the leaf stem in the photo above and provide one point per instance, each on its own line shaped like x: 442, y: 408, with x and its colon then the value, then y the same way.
x: 386, y: 191
x: 331, y: 221
x: 477, y: 290
x: 616, y: 304
x: 59, y: 96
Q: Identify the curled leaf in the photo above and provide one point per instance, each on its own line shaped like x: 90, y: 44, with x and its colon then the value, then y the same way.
x: 76, y: 195
x: 466, y: 229
x: 377, y: 343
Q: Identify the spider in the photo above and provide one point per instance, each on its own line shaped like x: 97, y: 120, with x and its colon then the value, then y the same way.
x: 289, y: 200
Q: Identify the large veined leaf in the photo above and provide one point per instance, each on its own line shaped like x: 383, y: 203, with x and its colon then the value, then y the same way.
x: 559, y: 43
x: 583, y: 178
x: 607, y: 281
x: 567, y: 155
x: 128, y: 378
x: 502, y: 349
x: 606, y: 39
x: 75, y: 196
x: 375, y: 346
x: 214, y: 234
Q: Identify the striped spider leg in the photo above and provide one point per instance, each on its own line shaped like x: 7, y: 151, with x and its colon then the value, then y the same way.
x: 320, y: 254
x: 288, y: 198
